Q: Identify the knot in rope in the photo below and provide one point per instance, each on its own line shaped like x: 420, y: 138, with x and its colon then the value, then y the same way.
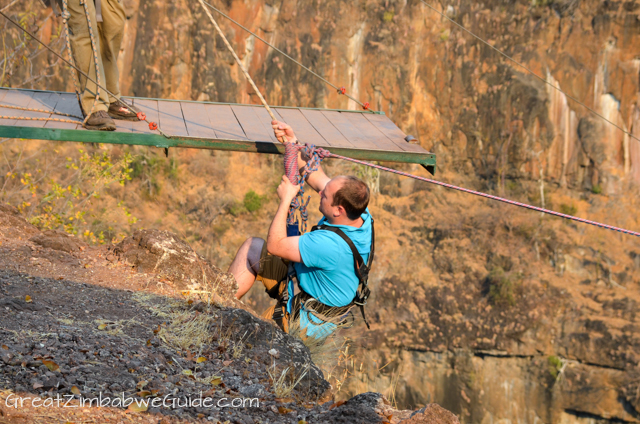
x: 315, y: 155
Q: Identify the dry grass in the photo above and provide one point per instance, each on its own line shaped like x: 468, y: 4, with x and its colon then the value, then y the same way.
x: 288, y: 379
x: 187, y: 329
x: 330, y: 354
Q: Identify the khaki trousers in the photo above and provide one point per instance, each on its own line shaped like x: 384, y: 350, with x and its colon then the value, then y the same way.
x: 108, y: 37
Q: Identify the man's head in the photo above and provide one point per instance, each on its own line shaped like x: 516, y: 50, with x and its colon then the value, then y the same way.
x: 344, y: 197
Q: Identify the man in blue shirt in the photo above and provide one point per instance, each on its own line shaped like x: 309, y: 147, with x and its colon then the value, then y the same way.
x: 322, y: 262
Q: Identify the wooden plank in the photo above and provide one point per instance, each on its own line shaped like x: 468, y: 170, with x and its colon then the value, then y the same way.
x: 252, y: 124
x: 305, y: 132
x: 67, y: 103
x: 197, y: 120
x: 265, y: 120
x: 44, y: 101
x: 391, y: 131
x: 224, y: 122
x: 171, y: 119
x: 355, y: 136
x: 326, y: 129
x: 149, y: 108
x: 15, y: 98
x: 361, y: 132
x: 4, y: 111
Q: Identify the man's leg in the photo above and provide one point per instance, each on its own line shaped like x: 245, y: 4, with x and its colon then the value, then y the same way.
x: 246, y: 264
x: 83, y: 54
x: 111, y: 33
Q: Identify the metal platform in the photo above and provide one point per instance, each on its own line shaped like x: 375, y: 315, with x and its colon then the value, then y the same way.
x: 361, y: 135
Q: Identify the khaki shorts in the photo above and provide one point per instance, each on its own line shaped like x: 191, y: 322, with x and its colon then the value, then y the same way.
x: 273, y: 275
x: 273, y: 271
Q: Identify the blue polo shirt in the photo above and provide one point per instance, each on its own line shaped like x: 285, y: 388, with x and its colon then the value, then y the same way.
x: 327, y: 269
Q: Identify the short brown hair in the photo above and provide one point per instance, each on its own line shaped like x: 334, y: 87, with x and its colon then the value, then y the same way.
x: 353, y: 196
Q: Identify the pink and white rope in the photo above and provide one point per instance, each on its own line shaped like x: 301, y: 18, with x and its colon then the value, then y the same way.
x: 488, y: 196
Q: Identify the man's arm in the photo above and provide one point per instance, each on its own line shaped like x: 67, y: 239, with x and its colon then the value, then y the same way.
x: 317, y: 180
x: 278, y: 243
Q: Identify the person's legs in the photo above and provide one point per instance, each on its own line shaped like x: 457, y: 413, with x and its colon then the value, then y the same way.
x: 83, y: 55
x: 246, y: 264
x: 111, y: 33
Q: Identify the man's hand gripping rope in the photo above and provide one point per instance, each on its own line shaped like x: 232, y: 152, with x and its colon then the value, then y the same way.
x: 311, y: 156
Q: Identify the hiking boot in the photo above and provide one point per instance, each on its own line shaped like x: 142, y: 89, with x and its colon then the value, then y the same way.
x: 122, y: 111
x: 100, y: 120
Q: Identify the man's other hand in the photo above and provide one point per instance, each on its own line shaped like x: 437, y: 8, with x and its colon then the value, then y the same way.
x: 287, y: 191
x: 281, y: 129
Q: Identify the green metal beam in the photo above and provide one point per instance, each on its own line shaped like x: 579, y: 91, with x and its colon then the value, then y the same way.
x: 427, y: 160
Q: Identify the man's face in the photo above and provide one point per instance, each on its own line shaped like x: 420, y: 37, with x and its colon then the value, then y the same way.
x: 326, y: 198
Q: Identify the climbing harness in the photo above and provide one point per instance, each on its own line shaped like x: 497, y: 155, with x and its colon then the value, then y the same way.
x: 341, y: 90
x: 361, y: 269
x: 152, y: 125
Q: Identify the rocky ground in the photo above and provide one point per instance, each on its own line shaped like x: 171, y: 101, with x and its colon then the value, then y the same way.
x: 85, y: 324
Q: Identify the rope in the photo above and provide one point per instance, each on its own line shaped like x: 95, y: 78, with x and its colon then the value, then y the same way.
x: 152, y: 125
x: 40, y: 110
x: 315, y: 155
x: 239, y: 62
x: 339, y: 90
x: 25, y: 118
x: 544, y: 80
x: 488, y: 196
x: 291, y: 152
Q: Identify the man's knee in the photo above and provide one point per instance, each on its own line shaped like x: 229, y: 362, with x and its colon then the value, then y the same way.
x: 254, y: 253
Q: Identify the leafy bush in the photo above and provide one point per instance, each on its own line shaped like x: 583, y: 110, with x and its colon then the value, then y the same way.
x: 62, y: 199
x: 501, y: 288
x: 596, y: 189
x: 253, y: 201
x: 568, y: 209
x: 555, y: 365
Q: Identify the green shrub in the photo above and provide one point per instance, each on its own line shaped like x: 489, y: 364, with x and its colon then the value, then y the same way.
x: 555, y: 365
x: 236, y: 208
x: 388, y: 16
x: 596, y: 189
x: 253, y: 201
x: 568, y: 209
x: 501, y: 288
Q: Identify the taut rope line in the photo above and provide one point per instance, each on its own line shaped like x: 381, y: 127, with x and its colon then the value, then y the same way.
x: 239, y: 62
x: 340, y: 90
x: 324, y: 153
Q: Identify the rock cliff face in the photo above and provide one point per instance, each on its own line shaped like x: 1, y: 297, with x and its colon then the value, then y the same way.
x: 483, y: 115
x: 496, y: 314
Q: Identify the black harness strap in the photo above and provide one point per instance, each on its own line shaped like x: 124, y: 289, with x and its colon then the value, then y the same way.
x: 361, y: 269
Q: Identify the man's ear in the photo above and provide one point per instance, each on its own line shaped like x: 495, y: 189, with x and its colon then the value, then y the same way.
x: 341, y: 211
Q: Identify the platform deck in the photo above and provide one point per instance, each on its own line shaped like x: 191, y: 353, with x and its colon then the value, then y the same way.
x: 358, y: 134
